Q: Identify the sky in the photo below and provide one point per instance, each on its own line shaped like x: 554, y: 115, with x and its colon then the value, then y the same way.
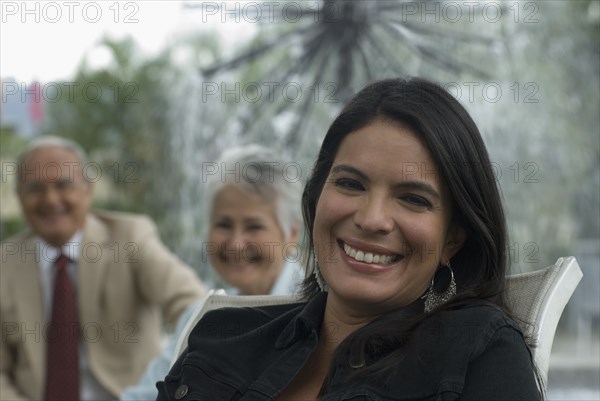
x: 46, y: 40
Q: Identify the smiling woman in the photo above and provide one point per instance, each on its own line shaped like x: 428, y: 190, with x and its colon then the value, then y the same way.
x: 249, y: 242
x: 390, y: 228
x: 254, y: 220
x: 406, y: 243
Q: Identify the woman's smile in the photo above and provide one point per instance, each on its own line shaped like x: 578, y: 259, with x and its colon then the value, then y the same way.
x: 368, y: 255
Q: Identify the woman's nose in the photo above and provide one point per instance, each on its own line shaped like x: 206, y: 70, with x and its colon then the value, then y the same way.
x: 373, y: 215
x: 238, y: 238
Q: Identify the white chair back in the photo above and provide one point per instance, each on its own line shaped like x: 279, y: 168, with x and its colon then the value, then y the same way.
x: 216, y: 299
x: 537, y: 299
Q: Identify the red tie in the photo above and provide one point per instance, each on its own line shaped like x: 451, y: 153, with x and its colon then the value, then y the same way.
x: 63, y: 339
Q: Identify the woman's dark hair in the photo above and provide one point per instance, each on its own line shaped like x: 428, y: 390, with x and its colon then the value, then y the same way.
x: 462, y: 161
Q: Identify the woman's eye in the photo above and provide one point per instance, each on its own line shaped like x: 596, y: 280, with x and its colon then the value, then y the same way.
x: 223, y: 224
x: 416, y: 200
x: 348, y: 184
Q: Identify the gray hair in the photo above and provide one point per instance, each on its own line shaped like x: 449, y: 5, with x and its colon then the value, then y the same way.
x: 256, y: 169
x: 50, y: 141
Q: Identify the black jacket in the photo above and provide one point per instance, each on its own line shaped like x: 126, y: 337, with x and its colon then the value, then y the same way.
x: 473, y: 353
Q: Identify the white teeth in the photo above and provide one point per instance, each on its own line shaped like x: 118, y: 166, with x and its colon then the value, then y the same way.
x: 368, y: 257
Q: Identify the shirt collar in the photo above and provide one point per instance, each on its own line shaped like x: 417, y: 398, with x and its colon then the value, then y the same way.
x: 48, y: 253
x: 308, y: 321
x: 288, y: 280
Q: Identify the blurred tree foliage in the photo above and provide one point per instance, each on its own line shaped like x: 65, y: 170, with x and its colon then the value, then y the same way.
x: 119, y: 114
x: 12, y: 144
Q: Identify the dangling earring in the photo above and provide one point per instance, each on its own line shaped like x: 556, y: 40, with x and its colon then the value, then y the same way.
x: 320, y: 280
x: 433, y: 298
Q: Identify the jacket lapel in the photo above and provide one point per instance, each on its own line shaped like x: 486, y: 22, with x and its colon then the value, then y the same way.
x: 91, y: 269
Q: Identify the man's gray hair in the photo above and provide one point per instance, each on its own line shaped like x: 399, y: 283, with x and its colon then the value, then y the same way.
x: 256, y: 169
x: 50, y: 141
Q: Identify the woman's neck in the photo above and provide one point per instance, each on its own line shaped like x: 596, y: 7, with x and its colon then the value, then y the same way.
x: 339, y: 321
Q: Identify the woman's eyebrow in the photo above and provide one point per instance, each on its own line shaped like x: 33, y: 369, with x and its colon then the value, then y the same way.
x: 419, y: 186
x: 414, y: 185
x: 252, y: 220
x: 345, y: 168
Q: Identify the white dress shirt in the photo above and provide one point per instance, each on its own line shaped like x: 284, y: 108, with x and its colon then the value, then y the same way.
x: 90, y: 389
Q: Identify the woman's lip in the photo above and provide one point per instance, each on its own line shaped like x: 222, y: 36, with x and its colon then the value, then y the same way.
x: 237, y: 261
x: 362, y: 246
x: 238, y: 266
x: 364, y: 267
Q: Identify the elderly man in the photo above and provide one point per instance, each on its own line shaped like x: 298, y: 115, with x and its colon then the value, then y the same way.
x: 82, y: 294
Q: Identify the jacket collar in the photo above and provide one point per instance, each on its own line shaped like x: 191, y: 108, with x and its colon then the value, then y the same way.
x: 307, y: 321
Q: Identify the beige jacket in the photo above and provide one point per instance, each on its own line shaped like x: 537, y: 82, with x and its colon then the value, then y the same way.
x: 128, y: 281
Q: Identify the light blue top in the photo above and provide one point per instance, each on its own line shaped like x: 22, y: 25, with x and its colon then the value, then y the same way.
x: 158, y: 368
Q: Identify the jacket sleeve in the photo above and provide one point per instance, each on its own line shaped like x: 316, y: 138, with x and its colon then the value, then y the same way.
x: 503, y: 371
x: 164, y: 279
x: 13, y: 340
x: 10, y: 335
x: 7, y: 389
x: 166, y: 387
x: 159, y: 367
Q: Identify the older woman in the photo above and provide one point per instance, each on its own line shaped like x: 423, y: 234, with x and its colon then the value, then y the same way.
x: 407, y: 240
x: 254, y: 218
x: 254, y: 221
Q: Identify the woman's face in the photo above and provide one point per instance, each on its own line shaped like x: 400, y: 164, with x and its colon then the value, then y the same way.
x: 246, y: 245
x: 382, y: 223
